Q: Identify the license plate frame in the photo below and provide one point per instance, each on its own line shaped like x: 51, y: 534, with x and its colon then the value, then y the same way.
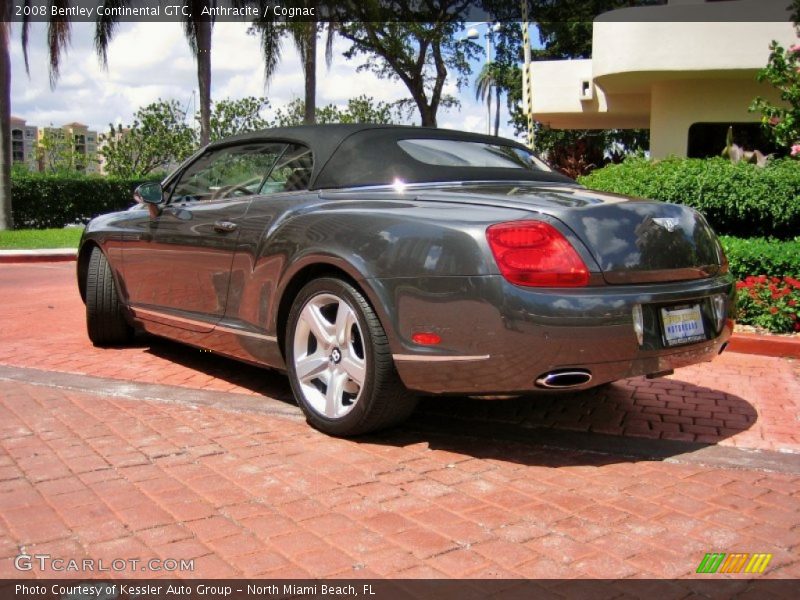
x: 682, y: 324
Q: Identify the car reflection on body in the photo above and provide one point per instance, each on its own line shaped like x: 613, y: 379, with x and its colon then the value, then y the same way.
x: 376, y: 263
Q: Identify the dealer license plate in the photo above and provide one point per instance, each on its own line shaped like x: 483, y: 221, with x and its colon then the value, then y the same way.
x: 683, y: 325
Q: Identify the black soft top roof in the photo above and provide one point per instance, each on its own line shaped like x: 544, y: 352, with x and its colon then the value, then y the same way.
x: 361, y: 155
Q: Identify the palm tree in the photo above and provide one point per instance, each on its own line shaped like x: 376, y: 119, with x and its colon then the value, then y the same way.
x: 6, y: 219
x: 304, y: 36
x: 490, y: 77
x: 198, y: 30
x: 58, y: 33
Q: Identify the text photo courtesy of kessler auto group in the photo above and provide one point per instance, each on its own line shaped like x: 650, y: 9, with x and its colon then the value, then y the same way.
x: 396, y: 299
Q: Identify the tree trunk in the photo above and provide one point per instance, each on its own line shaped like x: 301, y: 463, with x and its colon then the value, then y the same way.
x: 497, y: 111
x: 310, y: 68
x: 204, y: 78
x: 489, y: 111
x: 426, y: 112
x: 6, y: 217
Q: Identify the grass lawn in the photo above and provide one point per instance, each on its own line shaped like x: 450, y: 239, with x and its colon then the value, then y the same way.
x: 40, y: 238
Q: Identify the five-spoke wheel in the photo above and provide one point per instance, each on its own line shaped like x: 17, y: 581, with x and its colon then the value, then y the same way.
x: 340, y: 366
x: 329, y: 358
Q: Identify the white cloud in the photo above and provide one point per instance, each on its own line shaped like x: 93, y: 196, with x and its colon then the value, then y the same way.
x: 147, y: 61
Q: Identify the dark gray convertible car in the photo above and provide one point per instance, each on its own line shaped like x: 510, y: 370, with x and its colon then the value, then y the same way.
x: 375, y: 263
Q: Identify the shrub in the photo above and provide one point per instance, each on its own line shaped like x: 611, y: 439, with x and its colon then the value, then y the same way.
x: 49, y: 201
x: 769, y: 302
x: 759, y: 256
x: 737, y: 199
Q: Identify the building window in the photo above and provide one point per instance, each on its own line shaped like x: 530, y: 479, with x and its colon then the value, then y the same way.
x: 16, y: 134
x: 708, y: 139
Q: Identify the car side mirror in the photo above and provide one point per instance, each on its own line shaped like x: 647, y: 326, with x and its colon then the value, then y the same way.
x: 149, y: 193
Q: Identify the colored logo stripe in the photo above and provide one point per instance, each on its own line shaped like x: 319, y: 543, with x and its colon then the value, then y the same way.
x: 721, y: 562
x: 758, y: 563
x: 710, y: 563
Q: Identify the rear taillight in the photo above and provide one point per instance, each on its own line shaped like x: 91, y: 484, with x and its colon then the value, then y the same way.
x: 534, y: 253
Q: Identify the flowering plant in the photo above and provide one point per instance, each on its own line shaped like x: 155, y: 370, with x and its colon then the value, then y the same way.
x: 782, y: 121
x: 769, y: 302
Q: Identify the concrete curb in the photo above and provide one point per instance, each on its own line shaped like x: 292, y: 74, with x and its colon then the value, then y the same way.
x: 765, y: 345
x: 742, y: 343
x: 44, y: 255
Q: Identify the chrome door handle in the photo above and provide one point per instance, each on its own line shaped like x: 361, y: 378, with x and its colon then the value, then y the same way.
x: 224, y: 226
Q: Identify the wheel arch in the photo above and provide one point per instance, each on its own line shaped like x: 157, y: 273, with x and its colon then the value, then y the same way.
x: 325, y: 267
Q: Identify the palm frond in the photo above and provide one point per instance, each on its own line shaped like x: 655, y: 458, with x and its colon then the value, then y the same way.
x: 58, y: 33
x: 190, y: 30
x: 105, y: 27
x: 271, y: 46
x: 329, y: 38
x: 301, y: 33
x: 26, y: 23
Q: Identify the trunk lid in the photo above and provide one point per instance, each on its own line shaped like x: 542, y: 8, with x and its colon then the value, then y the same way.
x: 632, y: 240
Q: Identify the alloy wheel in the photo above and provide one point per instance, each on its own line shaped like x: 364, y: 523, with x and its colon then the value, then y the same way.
x: 329, y: 358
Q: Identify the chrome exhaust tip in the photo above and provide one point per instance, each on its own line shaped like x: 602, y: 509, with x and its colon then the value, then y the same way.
x: 562, y: 380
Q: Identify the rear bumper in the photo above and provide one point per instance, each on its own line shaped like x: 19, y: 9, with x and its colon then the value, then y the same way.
x: 498, y: 338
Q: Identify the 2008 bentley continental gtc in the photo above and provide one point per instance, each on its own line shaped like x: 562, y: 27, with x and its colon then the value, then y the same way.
x: 376, y: 263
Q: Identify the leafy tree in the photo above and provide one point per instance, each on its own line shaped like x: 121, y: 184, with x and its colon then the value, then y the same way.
x: 421, y: 54
x: 362, y: 109
x: 19, y: 170
x: 782, y: 121
x: 231, y: 117
x: 197, y: 27
x: 56, y: 154
x: 565, y: 28
x: 58, y: 34
x: 576, y: 152
x: 157, y: 138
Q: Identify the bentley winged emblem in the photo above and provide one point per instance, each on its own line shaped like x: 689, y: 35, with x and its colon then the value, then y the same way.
x: 667, y: 223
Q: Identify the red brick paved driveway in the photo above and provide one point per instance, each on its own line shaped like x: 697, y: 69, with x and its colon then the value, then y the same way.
x: 232, y: 477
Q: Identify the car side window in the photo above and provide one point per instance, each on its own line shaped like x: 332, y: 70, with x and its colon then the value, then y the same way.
x: 229, y: 172
x: 292, y: 171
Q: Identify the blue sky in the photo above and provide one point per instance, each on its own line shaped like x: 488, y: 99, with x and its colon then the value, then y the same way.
x: 148, y: 61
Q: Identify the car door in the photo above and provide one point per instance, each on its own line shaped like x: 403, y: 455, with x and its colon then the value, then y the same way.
x: 179, y: 269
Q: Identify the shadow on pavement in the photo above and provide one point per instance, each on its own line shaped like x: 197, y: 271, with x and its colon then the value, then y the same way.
x: 634, y: 419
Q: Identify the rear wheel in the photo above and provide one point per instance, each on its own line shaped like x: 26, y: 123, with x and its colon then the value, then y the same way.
x: 105, y: 321
x: 340, y: 366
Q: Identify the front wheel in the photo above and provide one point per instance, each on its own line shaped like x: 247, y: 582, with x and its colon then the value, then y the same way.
x: 105, y: 321
x: 340, y: 366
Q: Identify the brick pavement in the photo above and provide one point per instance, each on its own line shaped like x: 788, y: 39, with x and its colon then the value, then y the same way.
x: 84, y: 475
x: 243, y: 493
x: 738, y: 400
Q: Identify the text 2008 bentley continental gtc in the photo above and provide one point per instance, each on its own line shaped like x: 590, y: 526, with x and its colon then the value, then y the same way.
x: 374, y: 263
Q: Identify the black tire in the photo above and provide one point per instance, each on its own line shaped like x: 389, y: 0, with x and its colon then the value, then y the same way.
x: 381, y: 400
x: 105, y: 321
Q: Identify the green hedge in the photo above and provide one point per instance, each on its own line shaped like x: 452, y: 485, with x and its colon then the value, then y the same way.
x: 50, y: 201
x: 759, y: 256
x: 737, y: 199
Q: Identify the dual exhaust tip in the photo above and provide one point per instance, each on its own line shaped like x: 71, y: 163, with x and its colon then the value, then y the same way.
x: 564, y: 379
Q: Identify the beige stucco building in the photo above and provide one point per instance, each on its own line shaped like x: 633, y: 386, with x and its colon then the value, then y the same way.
x: 23, y: 143
x: 665, y: 68
x: 84, y: 142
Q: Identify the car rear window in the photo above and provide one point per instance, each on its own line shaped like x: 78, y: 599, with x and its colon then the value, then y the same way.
x: 457, y: 153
